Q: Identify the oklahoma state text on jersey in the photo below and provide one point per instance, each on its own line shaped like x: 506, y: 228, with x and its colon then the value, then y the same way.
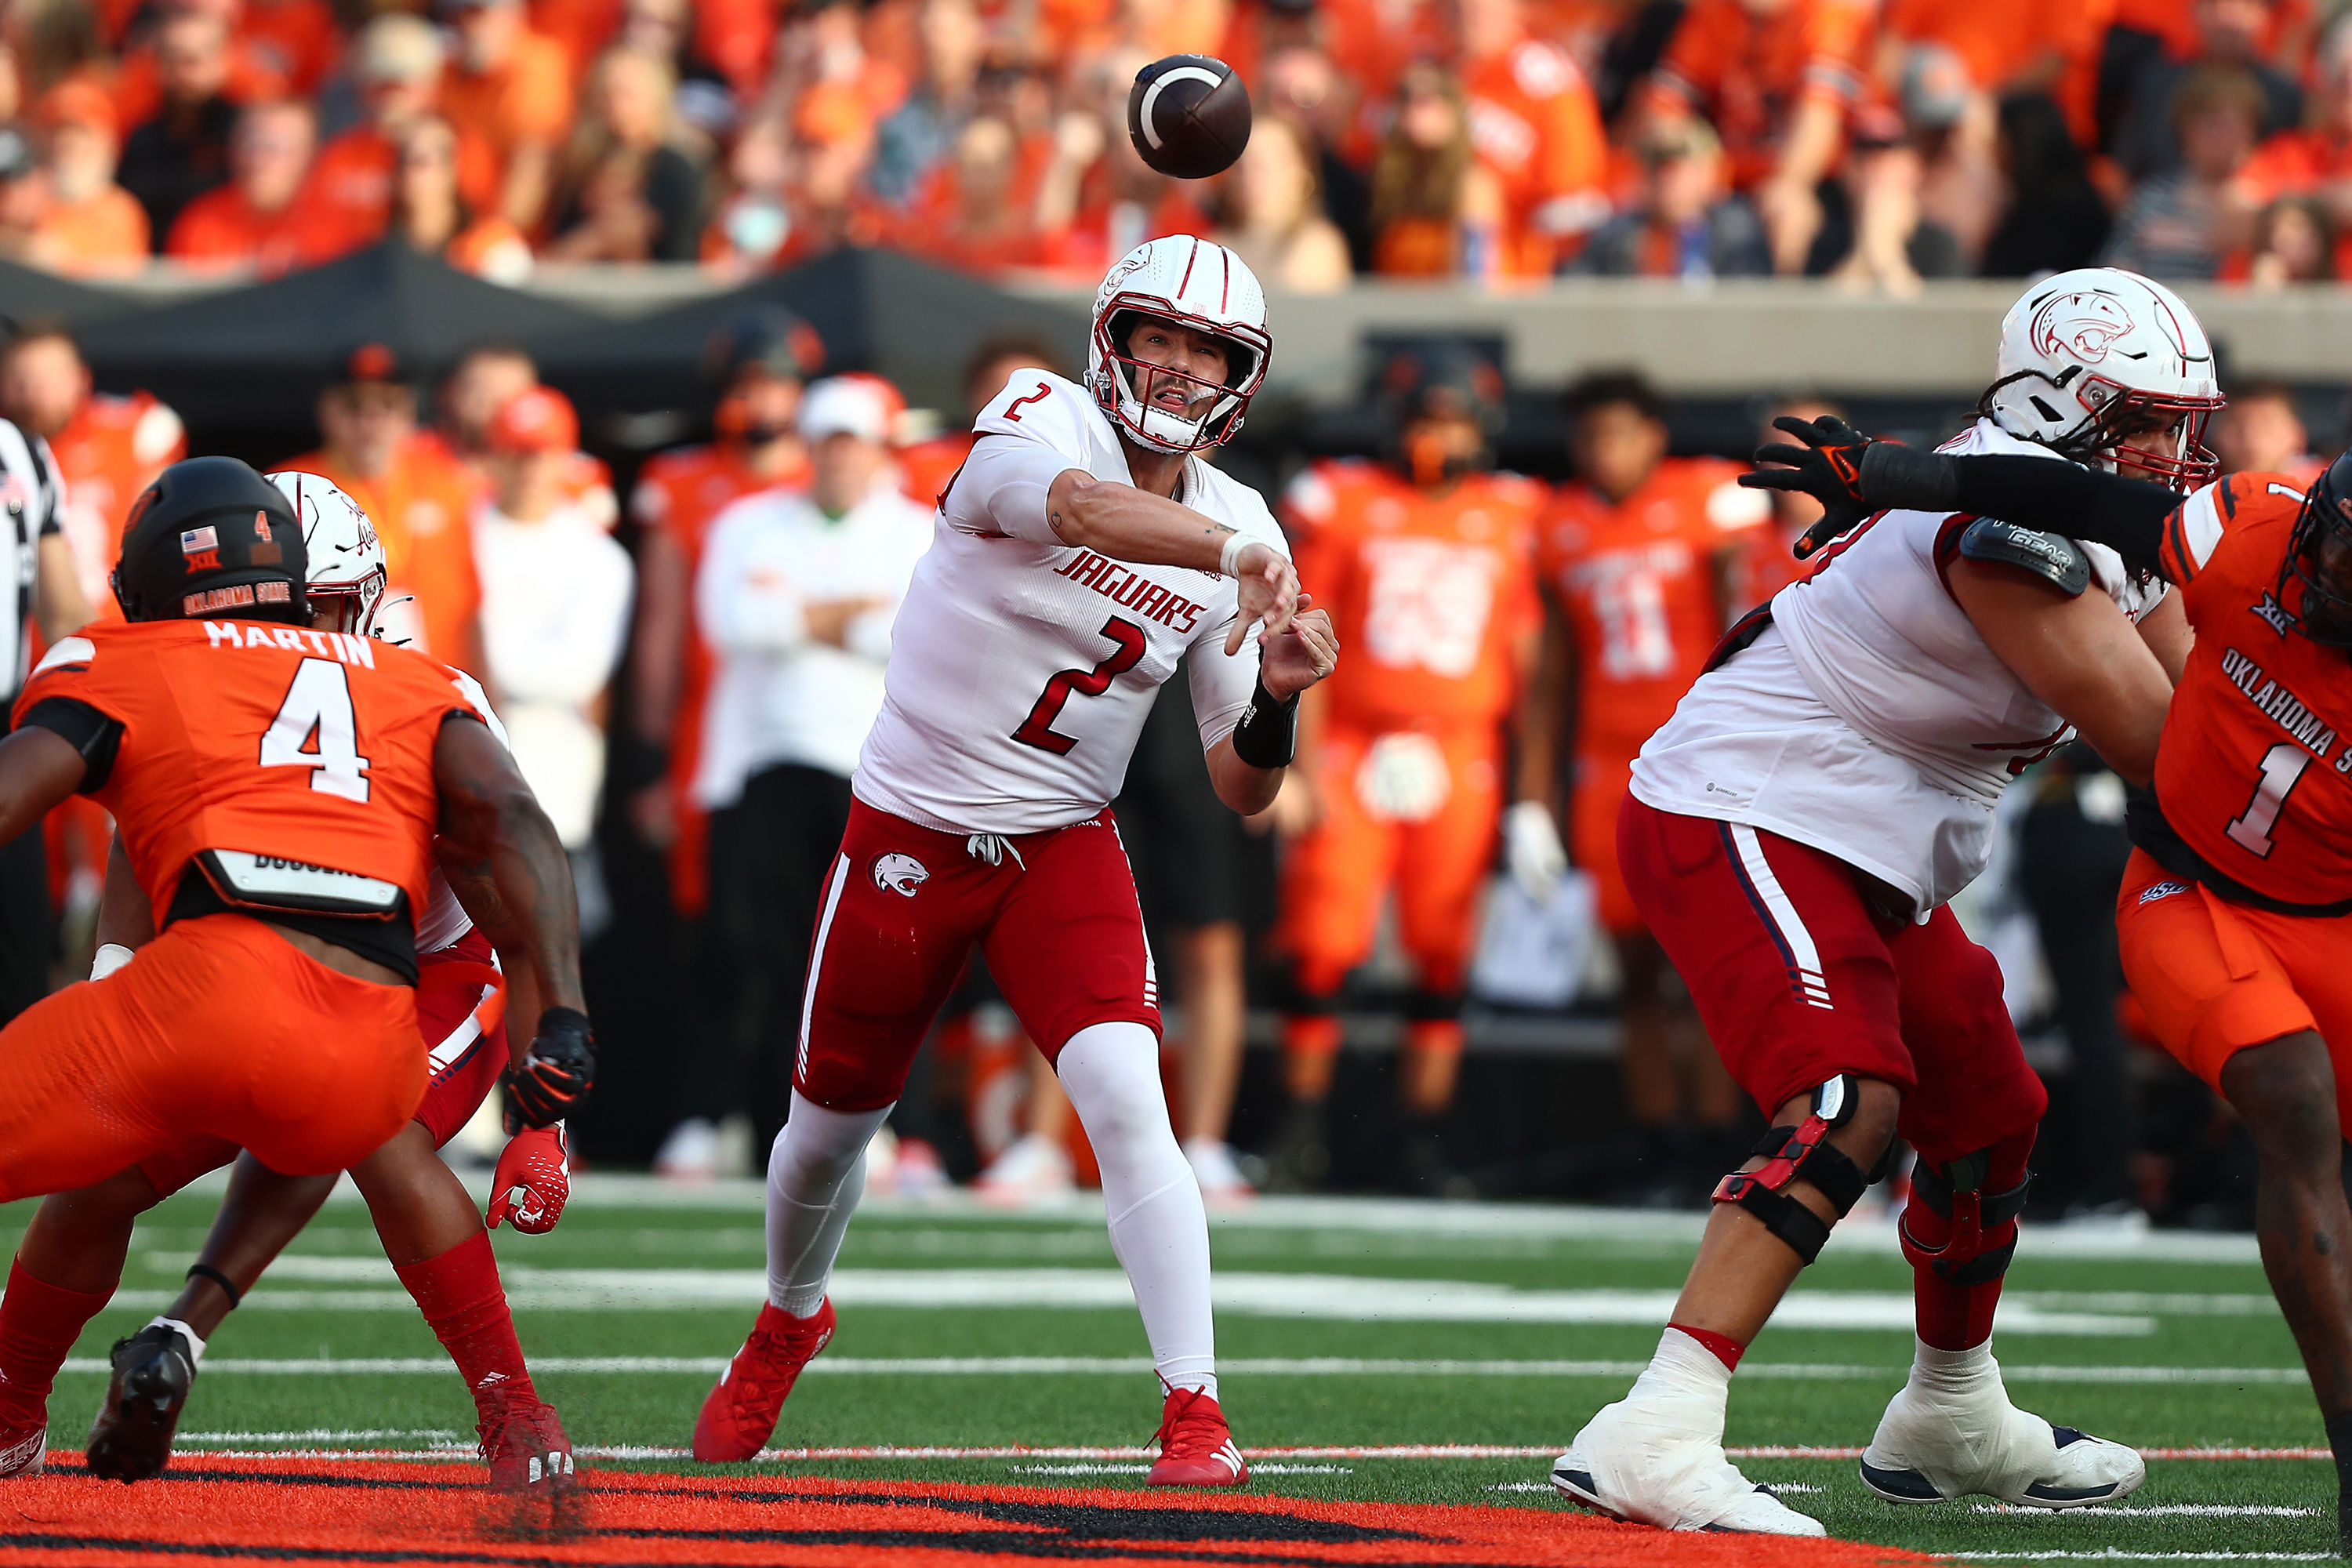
x: 1427, y: 592
x: 2252, y: 772
x: 1636, y: 583
x: 302, y: 760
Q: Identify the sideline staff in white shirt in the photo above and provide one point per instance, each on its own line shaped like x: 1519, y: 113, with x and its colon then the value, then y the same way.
x: 39, y: 589
x: 796, y: 597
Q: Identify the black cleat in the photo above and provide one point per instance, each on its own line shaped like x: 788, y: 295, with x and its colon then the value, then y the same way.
x: 131, y: 1438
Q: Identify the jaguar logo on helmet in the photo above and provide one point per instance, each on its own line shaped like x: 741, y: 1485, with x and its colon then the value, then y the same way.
x: 900, y: 874
x: 2084, y: 326
x: 2104, y: 366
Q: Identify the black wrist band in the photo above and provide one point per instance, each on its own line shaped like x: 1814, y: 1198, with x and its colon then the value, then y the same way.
x: 236, y: 1297
x: 1267, y: 736
x: 1911, y: 477
x: 555, y: 1017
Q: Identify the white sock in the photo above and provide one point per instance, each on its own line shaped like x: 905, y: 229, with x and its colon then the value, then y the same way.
x: 816, y: 1173
x: 1158, y: 1228
x: 1685, y: 1375
x: 195, y: 1347
x: 1953, y: 1374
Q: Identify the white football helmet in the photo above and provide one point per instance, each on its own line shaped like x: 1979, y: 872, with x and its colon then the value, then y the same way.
x: 2109, y: 367
x: 1196, y: 284
x: 346, y: 558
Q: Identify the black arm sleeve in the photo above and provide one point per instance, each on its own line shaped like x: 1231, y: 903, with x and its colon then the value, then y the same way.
x: 90, y: 731
x: 2126, y: 515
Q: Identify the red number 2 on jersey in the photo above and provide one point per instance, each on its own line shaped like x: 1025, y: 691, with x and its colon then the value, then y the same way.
x: 1037, y: 729
x: 1012, y: 409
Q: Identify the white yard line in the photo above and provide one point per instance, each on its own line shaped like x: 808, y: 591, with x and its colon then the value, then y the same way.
x: 1392, y: 1451
x: 2116, y: 1554
x: 1347, y: 1298
x: 1137, y: 1366
x: 2162, y: 1510
x: 1870, y: 1230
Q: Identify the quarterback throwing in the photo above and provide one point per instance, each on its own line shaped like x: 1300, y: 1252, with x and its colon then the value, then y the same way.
x: 1082, y: 551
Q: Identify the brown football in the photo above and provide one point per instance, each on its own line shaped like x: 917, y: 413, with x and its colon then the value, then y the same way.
x: 1189, y: 116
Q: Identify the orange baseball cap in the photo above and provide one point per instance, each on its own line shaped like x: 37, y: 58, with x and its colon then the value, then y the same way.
x: 540, y: 420
x: 77, y: 102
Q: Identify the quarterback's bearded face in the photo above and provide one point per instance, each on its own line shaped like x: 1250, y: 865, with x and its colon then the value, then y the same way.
x: 1181, y: 369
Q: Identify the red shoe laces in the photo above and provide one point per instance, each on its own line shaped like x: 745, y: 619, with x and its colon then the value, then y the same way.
x: 1186, y: 1431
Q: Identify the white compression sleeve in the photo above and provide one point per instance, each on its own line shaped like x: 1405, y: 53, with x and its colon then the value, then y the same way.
x: 1158, y: 1226
x: 816, y: 1173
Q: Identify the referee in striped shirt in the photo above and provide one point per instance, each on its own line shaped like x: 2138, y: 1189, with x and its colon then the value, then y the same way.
x: 37, y: 587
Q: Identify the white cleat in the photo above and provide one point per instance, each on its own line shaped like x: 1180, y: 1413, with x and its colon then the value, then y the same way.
x: 1036, y: 1170
x: 24, y: 1452
x: 1656, y: 1455
x: 1221, y: 1178
x: 1952, y: 1433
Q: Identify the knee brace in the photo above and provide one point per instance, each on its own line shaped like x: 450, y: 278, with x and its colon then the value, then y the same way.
x: 1983, y: 1226
x: 1804, y: 1153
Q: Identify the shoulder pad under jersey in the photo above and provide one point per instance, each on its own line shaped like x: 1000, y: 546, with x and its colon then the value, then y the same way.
x: 2052, y: 557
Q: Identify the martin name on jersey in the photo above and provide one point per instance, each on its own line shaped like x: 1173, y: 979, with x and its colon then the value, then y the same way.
x: 1873, y: 690
x: 1022, y: 667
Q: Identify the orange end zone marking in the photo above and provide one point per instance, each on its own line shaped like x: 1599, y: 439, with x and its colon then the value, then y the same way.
x: 322, y: 1513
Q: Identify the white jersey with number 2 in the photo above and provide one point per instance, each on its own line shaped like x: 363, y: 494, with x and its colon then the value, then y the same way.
x: 1021, y: 668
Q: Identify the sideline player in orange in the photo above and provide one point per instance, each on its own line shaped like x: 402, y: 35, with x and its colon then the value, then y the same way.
x: 1635, y: 560
x: 69, y: 1261
x: 278, y: 789
x: 418, y: 498
x: 1424, y: 563
x: 2235, y: 918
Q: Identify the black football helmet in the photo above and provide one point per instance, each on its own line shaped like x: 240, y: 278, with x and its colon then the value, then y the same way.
x: 2319, y: 556
x: 212, y: 538
x: 766, y: 337
x: 1442, y: 381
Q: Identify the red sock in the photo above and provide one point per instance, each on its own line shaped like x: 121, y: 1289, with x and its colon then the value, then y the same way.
x: 460, y: 1297
x: 39, y: 1324
x: 1724, y: 1349
x: 1960, y: 1317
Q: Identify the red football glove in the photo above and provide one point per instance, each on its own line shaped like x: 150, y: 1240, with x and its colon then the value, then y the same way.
x: 533, y: 1180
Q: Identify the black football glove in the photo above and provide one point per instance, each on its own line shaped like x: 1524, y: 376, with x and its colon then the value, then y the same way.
x: 554, y: 1077
x: 1828, y: 468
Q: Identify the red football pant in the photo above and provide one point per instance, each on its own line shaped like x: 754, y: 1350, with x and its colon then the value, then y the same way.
x: 904, y: 906
x: 1798, y: 982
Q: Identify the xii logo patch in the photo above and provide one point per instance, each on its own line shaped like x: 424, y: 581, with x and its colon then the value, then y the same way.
x: 2280, y: 620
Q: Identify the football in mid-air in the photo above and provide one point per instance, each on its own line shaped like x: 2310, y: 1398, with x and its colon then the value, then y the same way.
x: 1189, y: 116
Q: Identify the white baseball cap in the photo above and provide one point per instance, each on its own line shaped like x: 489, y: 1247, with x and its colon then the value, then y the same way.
x: 844, y: 405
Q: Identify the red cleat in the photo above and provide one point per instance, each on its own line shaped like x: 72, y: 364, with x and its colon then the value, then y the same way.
x: 740, y: 1416
x: 524, y: 1442
x: 1195, y: 1448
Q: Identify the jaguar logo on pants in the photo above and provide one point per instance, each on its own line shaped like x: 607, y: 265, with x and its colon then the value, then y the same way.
x: 899, y: 874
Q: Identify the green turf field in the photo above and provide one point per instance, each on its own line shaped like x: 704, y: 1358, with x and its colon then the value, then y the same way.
x: 963, y: 1328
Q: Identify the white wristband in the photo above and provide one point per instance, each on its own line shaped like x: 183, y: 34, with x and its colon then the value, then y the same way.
x: 1229, y: 558
x: 108, y: 958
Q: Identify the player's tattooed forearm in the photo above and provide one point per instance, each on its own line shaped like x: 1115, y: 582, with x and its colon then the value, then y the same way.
x: 476, y: 888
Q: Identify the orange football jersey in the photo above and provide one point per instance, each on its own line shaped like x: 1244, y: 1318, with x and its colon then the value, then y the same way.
x: 1428, y: 593
x: 1636, y: 583
x: 2252, y: 771
x: 108, y: 452
x: 299, y: 762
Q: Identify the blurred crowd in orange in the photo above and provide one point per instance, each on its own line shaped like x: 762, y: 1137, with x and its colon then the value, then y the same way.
x: 1881, y: 142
